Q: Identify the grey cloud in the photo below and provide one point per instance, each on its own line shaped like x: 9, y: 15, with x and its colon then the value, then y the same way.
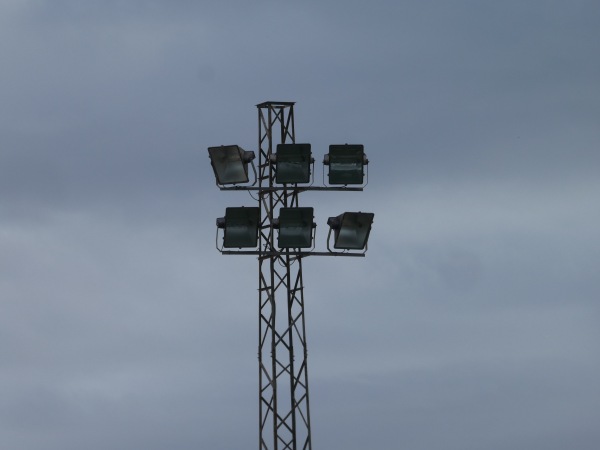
x: 471, y: 323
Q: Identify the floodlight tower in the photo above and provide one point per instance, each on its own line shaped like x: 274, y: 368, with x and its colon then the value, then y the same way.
x: 284, y: 169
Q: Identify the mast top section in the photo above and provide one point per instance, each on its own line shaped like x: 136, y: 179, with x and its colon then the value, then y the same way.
x: 271, y: 103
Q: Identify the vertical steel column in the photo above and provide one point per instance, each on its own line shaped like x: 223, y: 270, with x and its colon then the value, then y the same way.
x: 284, y: 419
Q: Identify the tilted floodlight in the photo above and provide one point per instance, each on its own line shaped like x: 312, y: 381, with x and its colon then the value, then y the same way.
x: 295, y: 227
x: 241, y: 227
x: 346, y: 164
x: 351, y: 230
x: 230, y: 163
x: 293, y: 163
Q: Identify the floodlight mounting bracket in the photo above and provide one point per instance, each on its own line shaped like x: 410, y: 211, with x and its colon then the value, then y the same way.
x: 217, y: 238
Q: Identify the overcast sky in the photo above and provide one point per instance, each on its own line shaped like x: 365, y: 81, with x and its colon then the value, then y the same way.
x: 473, y: 322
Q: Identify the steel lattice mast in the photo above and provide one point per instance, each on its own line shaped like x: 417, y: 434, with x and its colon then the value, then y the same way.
x: 283, y: 375
x: 284, y: 417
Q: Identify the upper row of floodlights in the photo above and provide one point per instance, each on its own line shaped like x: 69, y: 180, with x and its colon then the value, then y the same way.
x: 293, y: 164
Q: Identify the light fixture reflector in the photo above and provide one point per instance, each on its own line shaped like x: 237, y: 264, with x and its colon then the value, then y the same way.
x: 346, y: 164
x: 293, y: 163
x: 230, y: 163
x: 295, y: 227
x: 351, y: 230
x: 241, y: 227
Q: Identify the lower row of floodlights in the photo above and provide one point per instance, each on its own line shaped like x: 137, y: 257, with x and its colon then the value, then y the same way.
x: 293, y: 164
x: 296, y: 228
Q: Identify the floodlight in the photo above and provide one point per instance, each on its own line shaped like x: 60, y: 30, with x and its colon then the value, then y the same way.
x: 295, y: 227
x: 293, y: 163
x: 241, y: 227
x: 230, y: 163
x: 346, y: 164
x: 351, y: 230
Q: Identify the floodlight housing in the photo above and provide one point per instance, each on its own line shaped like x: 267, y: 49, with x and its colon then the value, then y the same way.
x: 295, y: 227
x: 351, y: 230
x: 241, y: 227
x: 292, y: 162
x: 230, y: 163
x: 346, y: 164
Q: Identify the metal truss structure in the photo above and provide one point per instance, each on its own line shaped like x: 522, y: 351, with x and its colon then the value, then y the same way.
x: 282, y: 353
x: 284, y: 415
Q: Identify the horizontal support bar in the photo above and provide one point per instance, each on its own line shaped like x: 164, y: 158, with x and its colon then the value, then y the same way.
x: 271, y: 103
x: 296, y: 189
x: 297, y: 254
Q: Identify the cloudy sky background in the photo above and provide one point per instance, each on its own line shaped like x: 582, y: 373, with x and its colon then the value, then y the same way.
x: 471, y: 324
